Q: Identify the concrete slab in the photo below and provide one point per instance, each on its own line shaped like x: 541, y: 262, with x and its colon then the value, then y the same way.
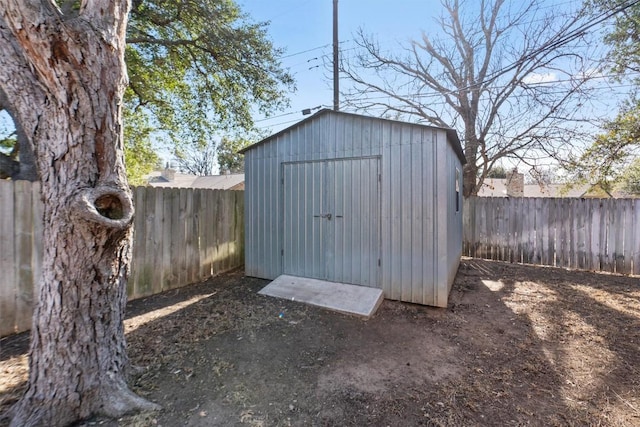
x: 350, y: 299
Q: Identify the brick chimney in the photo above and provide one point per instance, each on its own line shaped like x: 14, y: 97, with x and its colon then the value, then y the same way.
x: 515, y: 184
x: 169, y: 174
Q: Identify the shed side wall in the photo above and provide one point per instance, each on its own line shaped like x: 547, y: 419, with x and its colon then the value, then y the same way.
x: 453, y: 217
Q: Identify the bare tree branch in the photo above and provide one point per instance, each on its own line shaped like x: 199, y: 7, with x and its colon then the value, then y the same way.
x: 508, y: 77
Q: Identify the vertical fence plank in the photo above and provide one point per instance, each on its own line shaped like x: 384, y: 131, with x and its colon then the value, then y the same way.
x: 588, y: 225
x: 23, y: 250
x: 546, y: 250
x: 145, y: 262
x: 467, y: 232
x: 488, y: 218
x: 224, y: 232
x: 205, y: 236
x: 597, y: 247
x: 240, y: 226
x: 512, y: 232
x: 575, y: 231
x: 563, y: 234
x: 197, y: 232
x: 605, y: 230
x: 528, y: 233
x: 619, y: 207
x: 7, y: 259
x: 178, y: 242
x: 635, y: 248
x: 217, y: 226
x: 170, y: 207
x: 138, y: 242
x: 482, y: 250
x: 190, y: 237
x: 628, y: 236
x: 572, y: 258
x: 157, y: 271
x: 474, y: 241
x: 503, y: 227
x: 581, y: 235
x: 539, y: 222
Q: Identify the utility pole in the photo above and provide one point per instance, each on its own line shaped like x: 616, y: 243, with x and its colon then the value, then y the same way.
x: 336, y: 74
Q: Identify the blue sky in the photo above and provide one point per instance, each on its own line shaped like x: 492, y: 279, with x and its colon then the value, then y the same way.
x: 305, y: 29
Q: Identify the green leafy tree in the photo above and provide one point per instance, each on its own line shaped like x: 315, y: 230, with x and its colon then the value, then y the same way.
x: 612, y: 151
x: 611, y: 157
x: 139, y: 155
x: 200, y: 67
x: 8, y: 155
x: 497, y: 172
x: 629, y: 181
x: 624, y: 35
x: 196, y: 69
x: 229, y: 160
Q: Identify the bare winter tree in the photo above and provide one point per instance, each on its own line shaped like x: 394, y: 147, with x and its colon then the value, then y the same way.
x: 197, y: 159
x: 62, y: 67
x: 507, y: 75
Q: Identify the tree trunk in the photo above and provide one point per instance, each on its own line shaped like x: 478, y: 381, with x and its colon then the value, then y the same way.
x: 470, y: 169
x: 65, y: 77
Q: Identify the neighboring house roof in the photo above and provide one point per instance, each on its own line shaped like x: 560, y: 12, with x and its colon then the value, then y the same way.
x: 180, y: 180
x: 216, y: 182
x: 497, y: 187
x: 220, y: 182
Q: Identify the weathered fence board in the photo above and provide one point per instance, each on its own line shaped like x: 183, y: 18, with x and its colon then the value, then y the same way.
x: 181, y: 236
x: 588, y: 234
x: 23, y: 249
x: 8, y: 283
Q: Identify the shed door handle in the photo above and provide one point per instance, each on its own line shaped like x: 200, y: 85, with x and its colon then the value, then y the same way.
x: 327, y: 215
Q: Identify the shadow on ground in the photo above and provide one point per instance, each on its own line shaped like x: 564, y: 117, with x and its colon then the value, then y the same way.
x: 517, y: 345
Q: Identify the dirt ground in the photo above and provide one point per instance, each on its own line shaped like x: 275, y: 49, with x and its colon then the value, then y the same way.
x: 518, y: 345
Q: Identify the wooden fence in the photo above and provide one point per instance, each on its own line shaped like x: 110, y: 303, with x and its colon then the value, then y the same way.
x: 586, y: 234
x: 181, y: 236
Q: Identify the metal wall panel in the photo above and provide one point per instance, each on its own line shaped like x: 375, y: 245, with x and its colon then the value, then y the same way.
x: 420, y: 234
x: 332, y: 220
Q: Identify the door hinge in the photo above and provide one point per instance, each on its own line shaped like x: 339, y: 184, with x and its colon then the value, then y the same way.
x: 378, y: 262
x: 281, y: 252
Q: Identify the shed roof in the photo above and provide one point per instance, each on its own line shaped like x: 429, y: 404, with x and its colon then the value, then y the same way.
x: 451, y: 133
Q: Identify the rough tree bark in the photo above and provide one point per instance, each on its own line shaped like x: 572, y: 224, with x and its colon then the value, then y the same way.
x: 65, y: 75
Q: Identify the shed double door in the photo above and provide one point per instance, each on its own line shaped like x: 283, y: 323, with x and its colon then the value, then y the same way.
x: 332, y: 220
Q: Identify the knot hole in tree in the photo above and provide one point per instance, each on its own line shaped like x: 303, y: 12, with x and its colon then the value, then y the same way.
x: 109, y: 206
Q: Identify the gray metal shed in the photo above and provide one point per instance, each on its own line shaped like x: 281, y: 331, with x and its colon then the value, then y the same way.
x: 359, y: 200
